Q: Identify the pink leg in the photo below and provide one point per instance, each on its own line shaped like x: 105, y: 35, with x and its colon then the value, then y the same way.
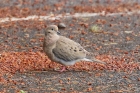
x: 63, y: 69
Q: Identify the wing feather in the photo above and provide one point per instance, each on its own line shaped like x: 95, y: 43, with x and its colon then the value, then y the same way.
x: 68, y: 50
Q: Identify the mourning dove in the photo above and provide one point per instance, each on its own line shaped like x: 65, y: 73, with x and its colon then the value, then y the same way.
x: 63, y: 50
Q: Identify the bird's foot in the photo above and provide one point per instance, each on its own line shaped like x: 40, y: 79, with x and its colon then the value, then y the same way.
x: 62, y: 69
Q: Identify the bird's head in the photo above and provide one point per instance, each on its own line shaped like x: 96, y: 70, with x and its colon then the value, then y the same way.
x: 52, y: 30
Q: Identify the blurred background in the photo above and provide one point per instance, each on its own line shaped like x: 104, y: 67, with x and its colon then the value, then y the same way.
x: 108, y: 28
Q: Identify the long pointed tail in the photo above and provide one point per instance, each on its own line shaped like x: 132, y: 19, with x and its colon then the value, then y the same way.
x: 94, y: 60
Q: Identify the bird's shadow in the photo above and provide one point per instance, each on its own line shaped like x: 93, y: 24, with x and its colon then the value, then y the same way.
x: 54, y: 72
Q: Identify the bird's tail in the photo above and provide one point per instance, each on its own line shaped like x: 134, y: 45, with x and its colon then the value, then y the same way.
x: 90, y: 58
x: 94, y: 60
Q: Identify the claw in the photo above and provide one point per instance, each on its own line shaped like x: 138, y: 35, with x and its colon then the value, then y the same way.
x: 62, y: 69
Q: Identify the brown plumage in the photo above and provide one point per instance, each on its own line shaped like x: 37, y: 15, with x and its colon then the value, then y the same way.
x: 63, y: 50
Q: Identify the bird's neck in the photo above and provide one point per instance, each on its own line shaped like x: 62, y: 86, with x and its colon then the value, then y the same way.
x: 51, y: 39
x: 48, y: 48
x: 48, y: 44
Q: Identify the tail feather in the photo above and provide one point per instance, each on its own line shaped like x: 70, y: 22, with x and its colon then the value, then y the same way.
x: 93, y: 60
x: 90, y: 58
x: 96, y: 60
x: 85, y: 59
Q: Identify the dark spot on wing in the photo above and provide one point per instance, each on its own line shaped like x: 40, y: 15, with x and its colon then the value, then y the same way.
x: 75, y: 50
x: 71, y: 48
x: 63, y: 56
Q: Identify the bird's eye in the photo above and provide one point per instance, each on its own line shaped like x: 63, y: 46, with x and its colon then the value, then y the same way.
x: 52, y: 28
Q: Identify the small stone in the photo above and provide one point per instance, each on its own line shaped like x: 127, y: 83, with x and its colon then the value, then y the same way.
x: 61, y: 25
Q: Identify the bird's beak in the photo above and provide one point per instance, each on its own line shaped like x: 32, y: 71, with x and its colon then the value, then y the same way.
x: 58, y: 32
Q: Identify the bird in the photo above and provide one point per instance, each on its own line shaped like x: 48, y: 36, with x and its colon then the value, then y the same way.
x: 63, y: 50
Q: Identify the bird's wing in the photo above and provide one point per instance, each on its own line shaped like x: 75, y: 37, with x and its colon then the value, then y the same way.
x: 68, y: 50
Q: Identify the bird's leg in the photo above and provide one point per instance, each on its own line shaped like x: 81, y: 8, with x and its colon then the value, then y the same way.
x: 63, y: 69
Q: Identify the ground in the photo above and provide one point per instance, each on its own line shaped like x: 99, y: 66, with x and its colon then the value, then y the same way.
x: 113, y: 36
